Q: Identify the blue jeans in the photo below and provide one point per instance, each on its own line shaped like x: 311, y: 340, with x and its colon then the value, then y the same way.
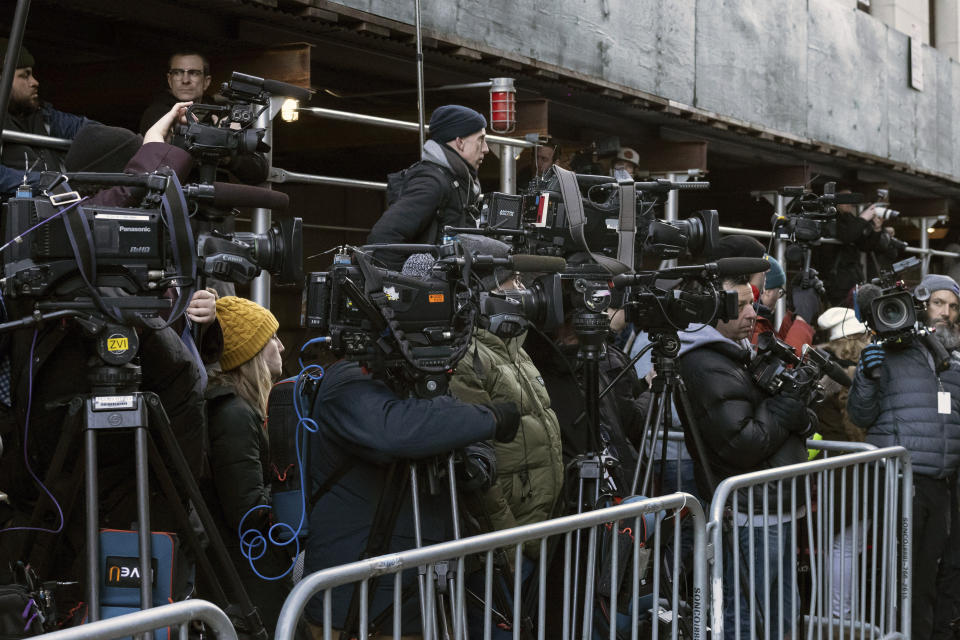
x: 781, y: 559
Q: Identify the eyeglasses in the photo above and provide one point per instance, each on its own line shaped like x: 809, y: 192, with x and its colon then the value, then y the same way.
x: 193, y: 74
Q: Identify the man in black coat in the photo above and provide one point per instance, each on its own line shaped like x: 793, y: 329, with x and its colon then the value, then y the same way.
x: 366, y: 434
x: 441, y: 189
x: 743, y: 429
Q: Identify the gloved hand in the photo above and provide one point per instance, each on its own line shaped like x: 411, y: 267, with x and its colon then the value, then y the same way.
x: 871, y: 358
x: 508, y: 420
x: 789, y: 410
x: 479, y: 469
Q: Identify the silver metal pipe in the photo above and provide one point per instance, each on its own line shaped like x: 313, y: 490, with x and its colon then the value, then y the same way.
x: 150, y: 620
x: 36, y: 140
x: 780, y: 249
x: 281, y: 176
x: 358, y: 118
x: 421, y: 105
x: 261, y: 218
x: 924, y: 247
x: 508, y: 169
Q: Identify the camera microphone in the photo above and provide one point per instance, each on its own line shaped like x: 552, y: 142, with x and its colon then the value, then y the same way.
x: 273, y: 87
x: 741, y: 266
x: 523, y: 262
x: 865, y: 295
x: 226, y: 195
x: 836, y: 373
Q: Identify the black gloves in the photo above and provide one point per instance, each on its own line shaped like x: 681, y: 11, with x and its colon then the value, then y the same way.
x: 871, y: 358
x: 790, y: 411
x: 508, y: 420
x: 479, y: 470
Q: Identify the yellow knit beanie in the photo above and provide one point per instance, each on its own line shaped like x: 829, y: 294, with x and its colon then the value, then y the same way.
x: 247, y: 327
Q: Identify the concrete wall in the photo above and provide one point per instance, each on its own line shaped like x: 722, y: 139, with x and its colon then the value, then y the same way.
x: 817, y: 69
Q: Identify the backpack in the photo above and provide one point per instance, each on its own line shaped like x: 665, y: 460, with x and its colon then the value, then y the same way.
x: 397, y: 184
x: 284, y: 467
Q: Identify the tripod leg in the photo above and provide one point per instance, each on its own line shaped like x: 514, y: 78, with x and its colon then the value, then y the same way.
x: 665, y: 404
x: 425, y: 619
x: 219, y: 596
x: 653, y: 418
x: 92, y: 525
x: 143, y: 517
x: 159, y: 422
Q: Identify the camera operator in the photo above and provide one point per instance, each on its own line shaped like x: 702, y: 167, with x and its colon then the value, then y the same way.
x: 840, y: 266
x: 900, y: 399
x: 497, y: 369
x: 742, y: 429
x: 442, y: 189
x: 365, y: 430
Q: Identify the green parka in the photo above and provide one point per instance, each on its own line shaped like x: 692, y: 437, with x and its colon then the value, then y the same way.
x: 530, y: 468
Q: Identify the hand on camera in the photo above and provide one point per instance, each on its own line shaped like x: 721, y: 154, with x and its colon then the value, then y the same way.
x: 871, y: 358
x: 479, y: 470
x: 508, y: 420
x: 161, y: 128
x: 790, y: 410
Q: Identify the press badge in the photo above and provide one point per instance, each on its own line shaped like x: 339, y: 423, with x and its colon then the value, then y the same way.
x: 943, y: 402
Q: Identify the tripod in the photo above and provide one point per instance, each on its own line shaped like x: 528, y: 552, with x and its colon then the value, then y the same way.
x: 115, y: 404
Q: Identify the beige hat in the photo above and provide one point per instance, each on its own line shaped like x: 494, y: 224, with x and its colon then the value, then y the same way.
x: 628, y: 154
x: 841, y: 322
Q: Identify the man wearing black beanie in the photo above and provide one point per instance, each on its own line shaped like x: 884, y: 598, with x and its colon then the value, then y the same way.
x: 441, y: 189
x: 28, y: 114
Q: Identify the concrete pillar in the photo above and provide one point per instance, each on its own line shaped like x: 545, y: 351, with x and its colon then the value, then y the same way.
x: 946, y: 26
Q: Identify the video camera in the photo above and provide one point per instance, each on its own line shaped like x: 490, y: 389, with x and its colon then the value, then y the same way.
x: 215, y: 132
x: 653, y: 309
x: 415, y: 328
x: 537, y: 220
x: 888, y: 307
x: 777, y: 369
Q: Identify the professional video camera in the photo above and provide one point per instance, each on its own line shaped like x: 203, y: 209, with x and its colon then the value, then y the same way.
x: 215, y: 132
x: 777, y: 369
x: 538, y: 220
x: 888, y: 307
x: 653, y: 309
x: 416, y: 328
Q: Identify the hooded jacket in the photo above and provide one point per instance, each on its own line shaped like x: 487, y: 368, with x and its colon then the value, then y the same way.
x: 900, y: 408
x: 437, y: 191
x: 742, y: 427
x: 530, y: 468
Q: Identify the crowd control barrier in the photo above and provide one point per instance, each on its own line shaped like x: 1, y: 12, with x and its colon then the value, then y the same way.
x: 178, y: 614
x: 618, y: 586
x: 814, y: 550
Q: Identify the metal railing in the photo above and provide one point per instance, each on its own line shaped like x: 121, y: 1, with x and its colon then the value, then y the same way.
x: 851, y: 514
x: 178, y: 614
x: 605, y: 545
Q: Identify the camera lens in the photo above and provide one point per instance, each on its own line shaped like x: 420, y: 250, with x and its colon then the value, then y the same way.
x: 892, y: 312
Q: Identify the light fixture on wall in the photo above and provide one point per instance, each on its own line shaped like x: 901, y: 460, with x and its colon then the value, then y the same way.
x: 503, y: 105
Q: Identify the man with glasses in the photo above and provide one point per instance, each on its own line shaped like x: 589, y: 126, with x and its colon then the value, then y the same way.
x: 188, y: 77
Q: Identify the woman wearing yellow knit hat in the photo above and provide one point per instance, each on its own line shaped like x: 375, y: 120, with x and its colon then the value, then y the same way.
x: 239, y: 457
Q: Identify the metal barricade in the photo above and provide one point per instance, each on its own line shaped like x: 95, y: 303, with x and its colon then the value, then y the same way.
x: 823, y: 545
x: 622, y: 582
x: 839, y: 447
x: 169, y: 615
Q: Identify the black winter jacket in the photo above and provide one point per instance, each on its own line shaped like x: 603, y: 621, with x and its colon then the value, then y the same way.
x: 901, y: 409
x: 437, y: 191
x: 239, y: 461
x: 363, y: 426
x: 743, y: 428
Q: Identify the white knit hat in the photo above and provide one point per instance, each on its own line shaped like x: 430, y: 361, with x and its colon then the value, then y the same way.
x: 841, y: 322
